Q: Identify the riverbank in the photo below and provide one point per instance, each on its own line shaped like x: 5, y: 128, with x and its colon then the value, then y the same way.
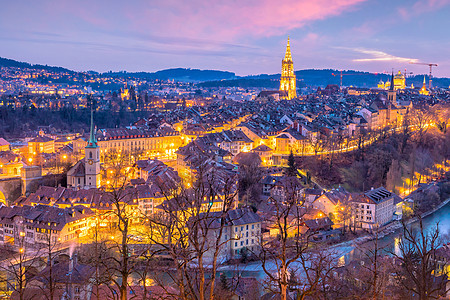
x: 396, y: 225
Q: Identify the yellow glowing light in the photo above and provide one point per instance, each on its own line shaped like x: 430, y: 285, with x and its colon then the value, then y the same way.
x: 22, y: 233
x: 30, y: 159
x: 64, y: 156
x: 21, y: 250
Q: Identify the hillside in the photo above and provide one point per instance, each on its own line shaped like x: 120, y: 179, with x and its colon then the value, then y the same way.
x: 315, y: 78
x: 5, y: 62
x: 217, y: 78
x: 179, y: 74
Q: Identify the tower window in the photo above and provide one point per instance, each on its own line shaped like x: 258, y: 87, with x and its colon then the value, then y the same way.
x: 90, y: 154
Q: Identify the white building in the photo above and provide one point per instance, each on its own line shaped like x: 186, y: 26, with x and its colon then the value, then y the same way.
x: 373, y: 208
x: 242, y: 229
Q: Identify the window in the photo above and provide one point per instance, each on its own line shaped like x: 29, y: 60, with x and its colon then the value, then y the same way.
x: 90, y: 154
x: 242, y: 243
x: 246, y: 242
x: 253, y: 226
x: 235, y: 244
x: 246, y: 227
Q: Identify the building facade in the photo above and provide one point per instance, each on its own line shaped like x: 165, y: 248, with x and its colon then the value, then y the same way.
x: 373, y: 208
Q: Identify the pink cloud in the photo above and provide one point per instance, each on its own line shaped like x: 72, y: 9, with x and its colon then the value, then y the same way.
x: 422, y: 6
x: 234, y: 19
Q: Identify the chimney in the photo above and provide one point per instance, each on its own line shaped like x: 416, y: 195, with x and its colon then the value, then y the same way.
x: 72, y: 262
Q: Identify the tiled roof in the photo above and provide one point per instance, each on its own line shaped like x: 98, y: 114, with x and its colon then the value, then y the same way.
x: 41, y: 139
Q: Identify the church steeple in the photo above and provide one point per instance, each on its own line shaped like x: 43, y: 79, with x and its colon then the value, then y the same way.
x: 288, y: 80
x: 288, y: 56
x: 92, y: 143
x: 92, y: 159
x: 391, y: 88
x: 423, y: 90
x: 392, y: 93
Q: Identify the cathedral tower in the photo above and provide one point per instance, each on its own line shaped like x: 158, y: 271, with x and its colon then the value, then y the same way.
x: 392, y: 94
x: 287, y: 81
x: 92, y: 159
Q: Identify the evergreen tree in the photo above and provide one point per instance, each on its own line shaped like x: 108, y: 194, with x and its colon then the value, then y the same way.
x: 292, y: 167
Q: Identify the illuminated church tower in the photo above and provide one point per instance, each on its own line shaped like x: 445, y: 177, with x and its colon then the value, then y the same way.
x: 423, y: 90
x: 287, y: 81
x: 92, y: 159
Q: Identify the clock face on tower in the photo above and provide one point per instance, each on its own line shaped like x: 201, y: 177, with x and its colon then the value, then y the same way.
x: 90, y: 161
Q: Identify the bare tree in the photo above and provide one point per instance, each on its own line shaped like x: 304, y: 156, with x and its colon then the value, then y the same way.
x: 18, y: 267
x: 279, y: 255
x: 375, y: 275
x: 420, y: 119
x: 417, y: 268
x: 124, y: 213
x: 191, y: 230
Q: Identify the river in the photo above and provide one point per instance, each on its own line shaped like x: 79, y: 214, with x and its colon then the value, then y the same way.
x: 347, y: 253
x: 390, y: 242
x: 344, y: 253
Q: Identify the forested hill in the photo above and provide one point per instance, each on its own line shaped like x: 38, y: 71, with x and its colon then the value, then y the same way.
x: 217, y: 78
x: 324, y: 77
x: 179, y: 74
x: 5, y: 62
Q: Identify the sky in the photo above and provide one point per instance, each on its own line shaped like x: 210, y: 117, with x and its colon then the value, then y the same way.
x: 242, y: 36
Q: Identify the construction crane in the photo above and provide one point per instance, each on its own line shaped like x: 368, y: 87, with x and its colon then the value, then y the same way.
x: 353, y: 74
x: 407, y: 73
x: 431, y: 68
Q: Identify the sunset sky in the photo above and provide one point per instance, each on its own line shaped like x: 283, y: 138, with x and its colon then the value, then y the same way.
x: 246, y: 37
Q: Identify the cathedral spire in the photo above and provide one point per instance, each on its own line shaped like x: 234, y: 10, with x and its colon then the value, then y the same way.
x: 92, y: 143
x: 392, y: 81
x: 288, y: 56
